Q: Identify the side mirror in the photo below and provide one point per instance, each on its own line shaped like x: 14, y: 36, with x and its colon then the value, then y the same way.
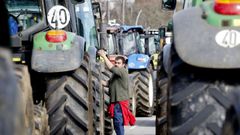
x: 169, y: 4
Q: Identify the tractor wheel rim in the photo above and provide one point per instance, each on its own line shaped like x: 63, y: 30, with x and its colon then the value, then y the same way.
x: 133, y: 104
x: 150, y: 91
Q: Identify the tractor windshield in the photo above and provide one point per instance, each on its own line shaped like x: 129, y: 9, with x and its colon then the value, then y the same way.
x: 86, y: 23
x: 128, y: 45
x: 142, y: 44
x: 23, y: 14
x: 152, y: 45
x: 111, y: 44
x: 140, y: 47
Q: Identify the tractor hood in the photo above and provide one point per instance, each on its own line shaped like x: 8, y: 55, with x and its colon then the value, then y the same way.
x: 203, y: 45
x: 138, y: 61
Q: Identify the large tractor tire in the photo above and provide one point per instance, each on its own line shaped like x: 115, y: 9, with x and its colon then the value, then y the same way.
x: 98, y: 98
x: 69, y: 101
x: 16, y: 111
x: 27, y: 106
x: 154, y: 75
x: 10, y: 96
x: 108, y: 126
x: 145, y: 94
x: 133, y: 89
x: 41, y: 120
x: 232, y: 122
x: 161, y: 98
x: 198, y: 97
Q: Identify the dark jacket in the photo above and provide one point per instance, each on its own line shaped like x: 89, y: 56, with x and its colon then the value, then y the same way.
x: 118, y: 85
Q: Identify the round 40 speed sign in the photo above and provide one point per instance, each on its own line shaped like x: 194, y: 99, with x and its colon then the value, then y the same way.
x: 228, y: 38
x: 58, y: 17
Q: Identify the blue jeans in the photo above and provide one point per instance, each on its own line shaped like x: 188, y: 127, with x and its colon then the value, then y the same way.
x: 118, y: 120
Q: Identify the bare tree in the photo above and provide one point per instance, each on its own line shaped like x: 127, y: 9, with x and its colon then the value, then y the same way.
x: 151, y: 14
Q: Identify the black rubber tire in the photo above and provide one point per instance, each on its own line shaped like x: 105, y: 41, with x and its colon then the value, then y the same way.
x: 69, y: 101
x: 133, y: 89
x: 41, y: 120
x: 161, y: 98
x: 145, y: 95
x: 11, y: 115
x: 154, y: 75
x: 232, y: 122
x: 108, y: 126
x: 199, y: 97
x: 23, y: 79
x: 98, y: 99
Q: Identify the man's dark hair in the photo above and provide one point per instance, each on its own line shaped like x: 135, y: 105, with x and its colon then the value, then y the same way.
x: 120, y: 58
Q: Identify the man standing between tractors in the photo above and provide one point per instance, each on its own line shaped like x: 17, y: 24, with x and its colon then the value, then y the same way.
x: 119, y: 93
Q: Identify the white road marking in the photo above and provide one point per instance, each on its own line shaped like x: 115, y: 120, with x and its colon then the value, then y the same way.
x: 132, y: 127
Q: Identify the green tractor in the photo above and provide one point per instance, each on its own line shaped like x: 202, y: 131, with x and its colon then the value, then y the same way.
x: 64, y: 73
x: 199, y: 68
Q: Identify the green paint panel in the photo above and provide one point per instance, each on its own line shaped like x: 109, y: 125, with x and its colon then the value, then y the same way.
x: 196, y: 2
x: 40, y: 42
x: 219, y: 20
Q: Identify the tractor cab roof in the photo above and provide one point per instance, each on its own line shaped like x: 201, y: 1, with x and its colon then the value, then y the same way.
x: 113, y: 29
x: 151, y: 31
x: 137, y: 28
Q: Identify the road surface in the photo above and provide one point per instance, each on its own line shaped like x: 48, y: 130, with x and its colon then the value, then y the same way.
x: 144, y: 126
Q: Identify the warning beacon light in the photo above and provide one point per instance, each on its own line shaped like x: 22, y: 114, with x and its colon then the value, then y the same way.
x: 227, y: 7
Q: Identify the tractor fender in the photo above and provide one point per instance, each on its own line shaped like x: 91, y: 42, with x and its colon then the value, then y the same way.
x: 52, y: 61
x: 166, y: 57
x: 196, y: 41
x: 138, y: 61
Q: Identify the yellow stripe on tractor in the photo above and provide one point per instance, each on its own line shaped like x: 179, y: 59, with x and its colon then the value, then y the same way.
x: 155, y: 60
x: 227, y: 1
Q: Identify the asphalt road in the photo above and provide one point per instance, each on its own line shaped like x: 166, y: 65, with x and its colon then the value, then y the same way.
x: 144, y: 126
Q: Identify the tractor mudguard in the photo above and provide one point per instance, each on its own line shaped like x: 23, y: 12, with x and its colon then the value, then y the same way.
x: 138, y: 61
x: 166, y: 57
x: 196, y: 41
x: 59, y: 60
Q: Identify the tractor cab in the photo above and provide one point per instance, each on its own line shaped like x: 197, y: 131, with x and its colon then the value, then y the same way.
x: 150, y: 41
x: 23, y: 14
x: 109, y: 39
x: 129, y: 40
x: 86, y: 23
x: 112, y: 42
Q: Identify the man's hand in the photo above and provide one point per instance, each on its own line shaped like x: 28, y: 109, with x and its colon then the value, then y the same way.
x: 104, y: 83
x: 102, y: 53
